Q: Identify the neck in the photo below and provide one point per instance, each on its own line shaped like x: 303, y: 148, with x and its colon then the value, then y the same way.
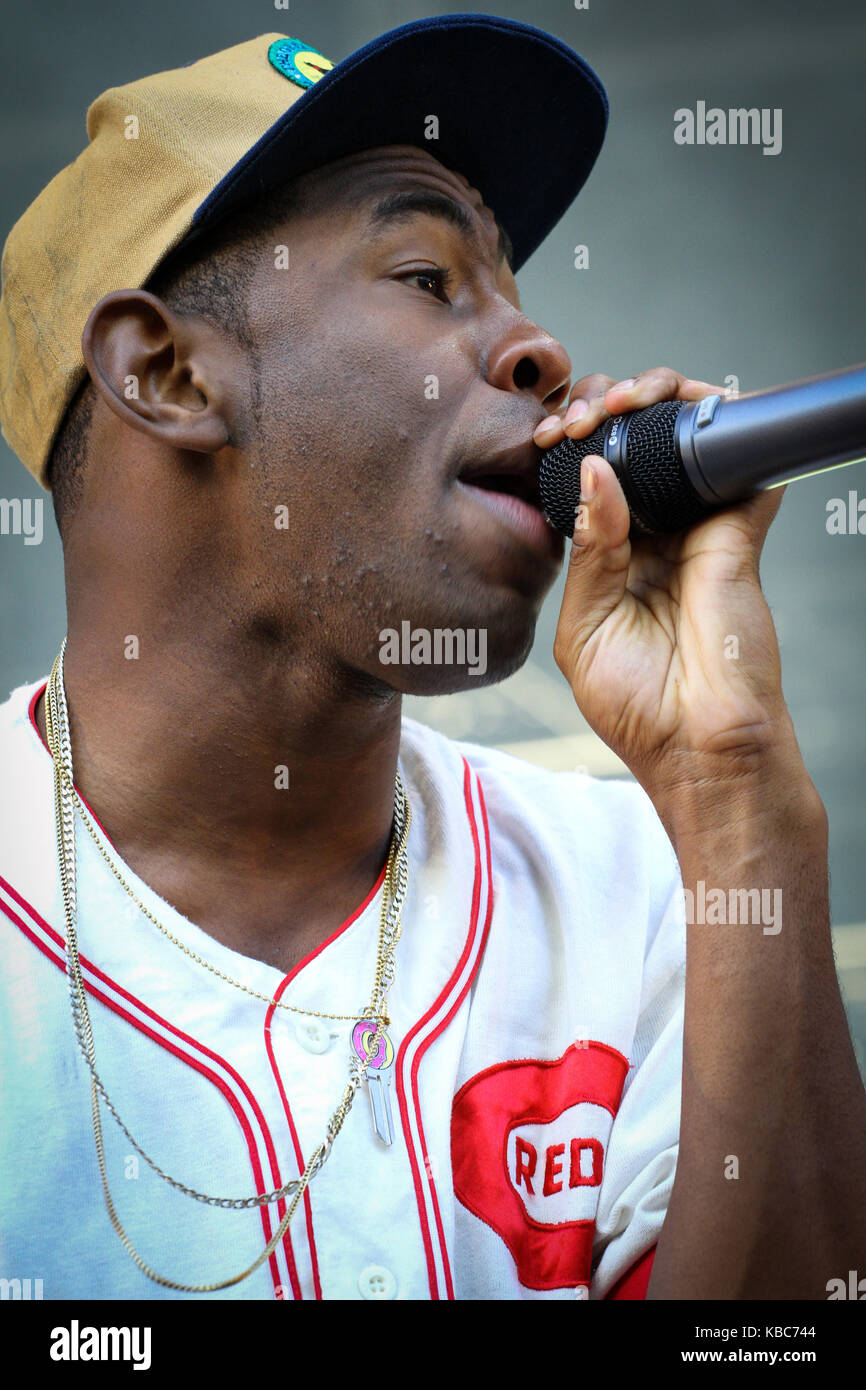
x: 250, y: 786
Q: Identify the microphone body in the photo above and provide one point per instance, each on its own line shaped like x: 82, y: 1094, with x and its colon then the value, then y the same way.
x: 678, y: 461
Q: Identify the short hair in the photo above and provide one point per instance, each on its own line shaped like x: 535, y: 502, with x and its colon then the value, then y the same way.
x: 208, y: 277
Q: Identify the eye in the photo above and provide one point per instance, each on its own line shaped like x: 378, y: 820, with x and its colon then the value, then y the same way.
x: 433, y: 280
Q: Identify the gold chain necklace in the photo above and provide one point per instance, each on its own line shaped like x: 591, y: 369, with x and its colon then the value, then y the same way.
x: 66, y: 802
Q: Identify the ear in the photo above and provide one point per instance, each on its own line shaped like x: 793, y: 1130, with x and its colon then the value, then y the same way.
x: 161, y: 373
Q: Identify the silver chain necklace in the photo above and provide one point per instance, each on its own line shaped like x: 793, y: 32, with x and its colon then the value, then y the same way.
x: 395, y: 888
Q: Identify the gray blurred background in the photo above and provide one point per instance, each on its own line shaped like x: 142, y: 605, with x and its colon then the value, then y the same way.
x: 717, y: 260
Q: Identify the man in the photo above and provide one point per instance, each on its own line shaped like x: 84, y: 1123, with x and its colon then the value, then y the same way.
x: 321, y: 418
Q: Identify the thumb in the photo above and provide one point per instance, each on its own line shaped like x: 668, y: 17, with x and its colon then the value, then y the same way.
x: 598, y: 563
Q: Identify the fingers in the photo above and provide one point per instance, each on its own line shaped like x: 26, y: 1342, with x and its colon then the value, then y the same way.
x: 585, y: 405
x: 594, y: 398
x: 647, y: 388
x: 598, y: 564
x: 692, y: 390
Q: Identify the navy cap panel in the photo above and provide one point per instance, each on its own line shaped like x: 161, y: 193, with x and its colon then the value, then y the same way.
x: 520, y: 115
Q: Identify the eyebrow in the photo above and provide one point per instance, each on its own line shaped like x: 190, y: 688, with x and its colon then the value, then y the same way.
x: 400, y: 207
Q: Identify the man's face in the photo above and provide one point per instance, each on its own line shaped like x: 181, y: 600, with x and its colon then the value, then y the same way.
x: 400, y: 387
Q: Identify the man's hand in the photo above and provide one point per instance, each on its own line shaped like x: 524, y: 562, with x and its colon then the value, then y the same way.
x: 667, y: 643
x: 670, y: 650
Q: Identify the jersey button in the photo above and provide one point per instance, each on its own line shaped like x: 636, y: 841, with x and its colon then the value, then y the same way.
x: 313, y: 1034
x: 377, y: 1282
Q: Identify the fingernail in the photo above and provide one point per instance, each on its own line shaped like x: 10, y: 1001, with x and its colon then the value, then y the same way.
x: 575, y: 411
x: 548, y: 426
x: 624, y: 385
x: 588, y: 481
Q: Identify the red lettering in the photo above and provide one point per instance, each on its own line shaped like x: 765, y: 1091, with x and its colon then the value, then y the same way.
x: 576, y: 1178
x: 552, y: 1170
x: 526, y: 1159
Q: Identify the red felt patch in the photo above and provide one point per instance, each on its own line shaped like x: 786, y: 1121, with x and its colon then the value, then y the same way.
x: 528, y: 1144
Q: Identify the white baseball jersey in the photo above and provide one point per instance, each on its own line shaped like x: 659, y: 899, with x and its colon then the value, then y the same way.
x: 536, y: 1018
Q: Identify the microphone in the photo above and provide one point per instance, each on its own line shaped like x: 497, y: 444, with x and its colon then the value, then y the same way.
x: 679, y: 461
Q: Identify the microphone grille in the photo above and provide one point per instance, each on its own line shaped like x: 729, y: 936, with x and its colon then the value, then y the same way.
x: 559, y: 478
x: 659, y: 491
x: 660, y: 495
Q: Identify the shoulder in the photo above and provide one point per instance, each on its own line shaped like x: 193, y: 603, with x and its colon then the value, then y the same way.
x: 519, y: 794
x: 582, y: 828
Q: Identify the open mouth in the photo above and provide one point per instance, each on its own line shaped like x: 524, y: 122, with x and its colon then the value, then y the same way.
x: 513, y: 473
x: 522, y: 485
x: 506, y: 486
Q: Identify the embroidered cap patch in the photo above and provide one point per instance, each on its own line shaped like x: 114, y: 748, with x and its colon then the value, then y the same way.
x: 298, y: 62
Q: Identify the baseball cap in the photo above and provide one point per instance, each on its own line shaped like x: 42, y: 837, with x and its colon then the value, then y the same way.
x: 507, y: 105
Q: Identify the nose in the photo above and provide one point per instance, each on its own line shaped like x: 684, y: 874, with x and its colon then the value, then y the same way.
x: 529, y: 359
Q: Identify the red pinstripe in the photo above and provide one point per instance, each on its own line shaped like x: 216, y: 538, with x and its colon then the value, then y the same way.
x: 435, y: 1033
x: 281, y: 1206
x: 278, y: 993
x: 211, y: 1076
